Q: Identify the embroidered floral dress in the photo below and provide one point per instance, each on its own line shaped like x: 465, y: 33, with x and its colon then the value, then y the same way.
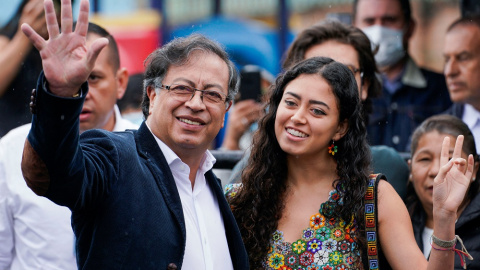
x: 326, y: 244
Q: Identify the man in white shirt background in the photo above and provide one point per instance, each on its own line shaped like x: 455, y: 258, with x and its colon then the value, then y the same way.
x: 35, y: 233
x: 462, y: 66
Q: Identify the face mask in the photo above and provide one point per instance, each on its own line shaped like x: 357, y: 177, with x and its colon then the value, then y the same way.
x: 389, y: 42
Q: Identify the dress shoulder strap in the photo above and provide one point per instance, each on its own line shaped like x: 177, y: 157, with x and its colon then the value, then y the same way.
x: 371, y: 221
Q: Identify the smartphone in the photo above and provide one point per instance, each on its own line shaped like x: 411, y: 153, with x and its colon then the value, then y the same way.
x: 250, y: 85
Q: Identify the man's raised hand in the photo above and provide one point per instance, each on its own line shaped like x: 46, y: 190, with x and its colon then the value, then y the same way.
x: 66, y: 60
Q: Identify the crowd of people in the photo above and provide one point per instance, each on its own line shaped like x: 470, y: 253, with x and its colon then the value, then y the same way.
x: 321, y: 185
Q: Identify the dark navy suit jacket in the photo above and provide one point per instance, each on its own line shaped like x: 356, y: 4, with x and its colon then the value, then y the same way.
x: 126, y: 210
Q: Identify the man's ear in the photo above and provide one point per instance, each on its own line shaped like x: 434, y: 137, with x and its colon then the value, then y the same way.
x: 152, y: 94
x: 122, y: 82
x: 228, y: 106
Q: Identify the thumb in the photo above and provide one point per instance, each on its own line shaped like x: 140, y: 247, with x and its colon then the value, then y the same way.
x: 95, y: 50
x: 35, y: 38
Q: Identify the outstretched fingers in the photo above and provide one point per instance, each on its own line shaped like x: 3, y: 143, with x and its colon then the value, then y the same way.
x: 95, y: 50
x: 82, y: 22
x: 51, y: 19
x: 453, y: 178
x: 466, y: 166
x: 442, y: 173
x: 457, y: 151
x: 66, y: 16
x: 445, y: 163
x: 444, y: 154
x: 470, y: 166
x: 37, y: 41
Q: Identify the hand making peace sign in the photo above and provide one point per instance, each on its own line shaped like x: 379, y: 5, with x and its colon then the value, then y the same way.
x: 453, y: 179
x: 66, y: 60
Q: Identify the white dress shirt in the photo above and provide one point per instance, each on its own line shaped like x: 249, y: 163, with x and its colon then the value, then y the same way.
x: 35, y: 233
x: 206, y: 244
x: 471, y: 117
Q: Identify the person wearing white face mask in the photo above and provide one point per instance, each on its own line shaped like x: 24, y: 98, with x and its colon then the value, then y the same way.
x: 389, y: 42
x: 410, y: 93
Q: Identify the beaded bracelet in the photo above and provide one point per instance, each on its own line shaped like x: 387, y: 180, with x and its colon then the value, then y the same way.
x: 445, y: 246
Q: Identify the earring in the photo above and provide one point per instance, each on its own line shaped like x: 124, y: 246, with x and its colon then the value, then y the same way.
x: 332, y: 149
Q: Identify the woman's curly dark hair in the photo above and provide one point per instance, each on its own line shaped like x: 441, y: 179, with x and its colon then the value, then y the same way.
x: 260, y: 203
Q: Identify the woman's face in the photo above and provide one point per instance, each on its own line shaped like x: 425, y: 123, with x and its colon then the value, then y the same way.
x: 307, y: 117
x: 425, y: 164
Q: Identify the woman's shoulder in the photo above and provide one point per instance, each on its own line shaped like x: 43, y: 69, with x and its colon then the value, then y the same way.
x: 230, y: 190
x: 376, y: 177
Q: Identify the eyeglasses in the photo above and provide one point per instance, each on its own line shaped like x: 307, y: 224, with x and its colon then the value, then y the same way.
x: 185, y: 93
x: 355, y: 70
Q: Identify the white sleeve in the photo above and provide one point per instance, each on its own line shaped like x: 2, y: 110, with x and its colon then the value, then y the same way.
x: 6, y: 219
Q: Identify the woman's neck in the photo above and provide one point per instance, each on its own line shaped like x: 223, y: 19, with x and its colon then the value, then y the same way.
x: 311, y: 171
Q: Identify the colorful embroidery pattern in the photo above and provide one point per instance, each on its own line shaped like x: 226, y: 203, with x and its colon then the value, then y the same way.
x: 370, y: 224
x: 231, y: 190
x: 328, y: 243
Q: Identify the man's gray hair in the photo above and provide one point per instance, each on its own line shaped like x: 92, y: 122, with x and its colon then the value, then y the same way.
x: 177, y: 52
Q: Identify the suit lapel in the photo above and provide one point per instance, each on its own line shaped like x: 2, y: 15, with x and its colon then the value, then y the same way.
x: 149, y: 149
x: 234, y: 239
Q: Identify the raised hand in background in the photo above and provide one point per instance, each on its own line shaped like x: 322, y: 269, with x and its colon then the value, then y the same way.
x: 452, y: 180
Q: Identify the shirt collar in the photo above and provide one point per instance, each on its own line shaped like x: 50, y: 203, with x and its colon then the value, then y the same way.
x: 470, y: 116
x: 122, y: 124
x: 206, y: 164
x: 413, y: 75
x: 393, y: 85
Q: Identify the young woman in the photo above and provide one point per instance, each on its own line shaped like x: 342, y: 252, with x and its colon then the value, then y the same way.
x: 350, y: 46
x: 424, y: 166
x: 301, y: 204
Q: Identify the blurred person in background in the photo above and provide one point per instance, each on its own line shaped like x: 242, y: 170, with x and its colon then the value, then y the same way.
x: 462, y: 65
x: 410, y: 94
x: 247, y: 109
x: 35, y: 233
x: 20, y: 64
x: 425, y: 165
x: 130, y: 104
